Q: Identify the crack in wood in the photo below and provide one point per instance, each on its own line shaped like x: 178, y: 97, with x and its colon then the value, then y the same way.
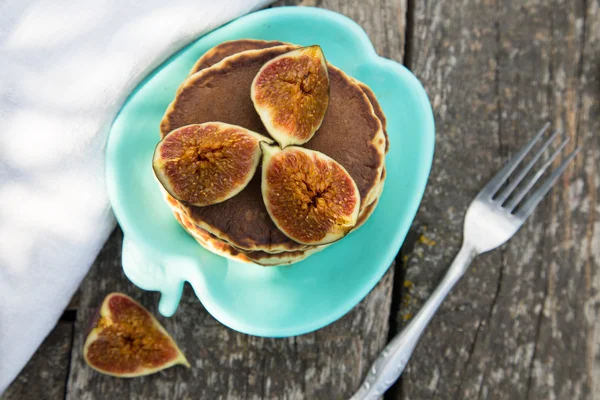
x: 69, y: 357
x: 69, y: 315
x: 491, y: 311
x: 264, y: 375
x: 397, y: 294
x: 409, y: 33
x: 592, y: 211
x: 497, y: 82
x: 538, y: 326
x: 582, y: 58
x: 466, y: 365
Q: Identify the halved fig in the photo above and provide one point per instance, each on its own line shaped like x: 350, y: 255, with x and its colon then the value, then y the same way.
x: 310, y: 197
x: 207, y: 163
x: 291, y: 94
x: 127, y: 341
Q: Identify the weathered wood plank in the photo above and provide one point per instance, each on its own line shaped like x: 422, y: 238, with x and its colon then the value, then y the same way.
x: 454, y: 55
x: 523, y: 322
x: 45, y: 376
x: 327, y: 364
x: 504, y: 354
x: 566, y: 362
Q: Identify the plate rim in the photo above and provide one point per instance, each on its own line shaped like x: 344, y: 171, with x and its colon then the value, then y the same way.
x: 423, y: 171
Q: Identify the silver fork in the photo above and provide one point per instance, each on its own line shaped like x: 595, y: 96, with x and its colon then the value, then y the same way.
x: 490, y: 221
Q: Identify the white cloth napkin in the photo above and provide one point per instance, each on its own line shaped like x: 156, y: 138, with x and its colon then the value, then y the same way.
x: 66, y: 67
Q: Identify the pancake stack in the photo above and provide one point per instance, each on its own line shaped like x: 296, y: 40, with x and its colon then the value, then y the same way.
x: 353, y: 133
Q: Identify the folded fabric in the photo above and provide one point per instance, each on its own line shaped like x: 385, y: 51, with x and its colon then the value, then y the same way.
x: 67, y: 67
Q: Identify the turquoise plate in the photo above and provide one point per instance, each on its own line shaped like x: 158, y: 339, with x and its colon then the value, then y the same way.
x: 278, y: 301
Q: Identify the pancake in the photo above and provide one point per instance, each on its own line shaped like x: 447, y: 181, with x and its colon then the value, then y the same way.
x: 221, y: 93
x: 226, y: 49
x: 364, y: 216
x: 222, y: 248
x: 217, y: 246
x: 378, y: 111
x: 229, y: 48
x: 351, y: 134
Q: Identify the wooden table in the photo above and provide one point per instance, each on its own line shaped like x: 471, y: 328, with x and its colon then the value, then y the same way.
x: 524, y: 323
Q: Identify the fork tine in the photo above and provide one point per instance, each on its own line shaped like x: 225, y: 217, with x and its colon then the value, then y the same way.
x: 533, y: 201
x: 493, y: 185
x: 523, y: 192
x: 514, y: 182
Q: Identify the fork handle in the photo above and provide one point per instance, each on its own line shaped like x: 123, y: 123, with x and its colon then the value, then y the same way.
x: 388, y: 367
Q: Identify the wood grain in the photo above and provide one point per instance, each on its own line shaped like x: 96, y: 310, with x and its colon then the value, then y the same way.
x: 45, y: 376
x: 566, y: 359
x: 327, y: 364
x: 523, y: 323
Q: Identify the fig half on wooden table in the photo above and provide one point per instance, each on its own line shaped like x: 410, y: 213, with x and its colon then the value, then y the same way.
x: 127, y: 341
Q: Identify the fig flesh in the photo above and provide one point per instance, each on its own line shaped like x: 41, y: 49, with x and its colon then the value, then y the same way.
x: 310, y: 197
x: 128, y: 341
x: 291, y: 94
x: 207, y: 163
